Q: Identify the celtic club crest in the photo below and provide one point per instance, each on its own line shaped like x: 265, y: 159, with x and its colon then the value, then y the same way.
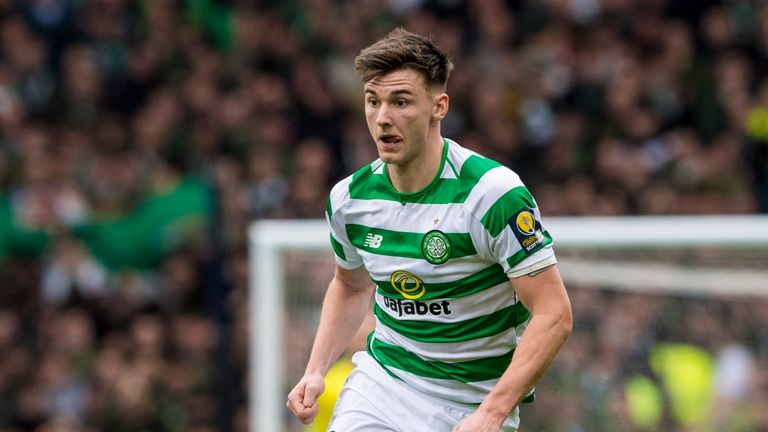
x: 436, y: 247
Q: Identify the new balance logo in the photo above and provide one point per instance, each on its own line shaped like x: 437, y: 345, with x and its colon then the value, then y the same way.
x: 373, y: 241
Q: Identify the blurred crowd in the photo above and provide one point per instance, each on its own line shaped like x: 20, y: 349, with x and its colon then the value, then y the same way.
x: 138, y: 139
x: 652, y: 363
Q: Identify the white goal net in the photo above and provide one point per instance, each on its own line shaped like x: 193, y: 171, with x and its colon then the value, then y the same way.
x: 649, y: 294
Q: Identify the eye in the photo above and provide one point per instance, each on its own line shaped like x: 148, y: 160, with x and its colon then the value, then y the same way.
x: 373, y: 102
x: 400, y: 103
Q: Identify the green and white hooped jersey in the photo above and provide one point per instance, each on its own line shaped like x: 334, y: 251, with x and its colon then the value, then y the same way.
x: 447, y: 318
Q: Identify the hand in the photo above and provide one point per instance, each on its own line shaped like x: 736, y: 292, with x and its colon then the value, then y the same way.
x: 302, y: 400
x: 480, y: 421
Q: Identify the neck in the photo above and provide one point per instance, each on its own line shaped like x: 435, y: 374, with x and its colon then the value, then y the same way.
x: 420, y: 171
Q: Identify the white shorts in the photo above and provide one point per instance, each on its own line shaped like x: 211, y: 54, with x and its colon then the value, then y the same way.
x: 374, y: 401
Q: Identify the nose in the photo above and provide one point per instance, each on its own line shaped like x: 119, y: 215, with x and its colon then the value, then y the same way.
x: 382, y: 115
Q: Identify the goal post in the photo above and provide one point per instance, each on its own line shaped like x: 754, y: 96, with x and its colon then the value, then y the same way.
x: 268, y: 239
x: 607, y: 251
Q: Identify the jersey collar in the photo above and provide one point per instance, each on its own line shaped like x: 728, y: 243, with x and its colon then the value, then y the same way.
x: 404, y: 197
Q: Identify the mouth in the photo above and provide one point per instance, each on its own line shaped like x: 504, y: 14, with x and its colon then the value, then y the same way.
x: 390, y: 139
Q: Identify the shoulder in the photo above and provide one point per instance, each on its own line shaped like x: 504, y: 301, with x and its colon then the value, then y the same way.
x: 495, y: 192
x: 474, y: 169
x: 497, y: 178
x: 481, y: 175
x: 341, y: 191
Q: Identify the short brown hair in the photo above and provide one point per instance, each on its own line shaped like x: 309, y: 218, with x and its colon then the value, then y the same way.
x: 403, y: 49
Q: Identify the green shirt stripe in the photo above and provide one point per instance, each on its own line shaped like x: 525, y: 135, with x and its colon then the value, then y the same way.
x: 366, y: 185
x: 442, y: 191
x: 328, y: 207
x: 468, y: 371
x: 404, y: 244
x: 473, y: 328
x: 337, y: 249
x: 474, y: 283
x: 497, y: 216
x: 475, y: 167
x: 369, y: 187
x: 520, y: 255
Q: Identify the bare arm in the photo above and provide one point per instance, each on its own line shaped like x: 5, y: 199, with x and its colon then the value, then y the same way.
x: 551, y: 320
x: 345, y: 306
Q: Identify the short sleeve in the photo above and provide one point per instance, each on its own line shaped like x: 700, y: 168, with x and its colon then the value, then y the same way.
x: 346, y: 254
x: 522, y: 243
x: 514, y: 233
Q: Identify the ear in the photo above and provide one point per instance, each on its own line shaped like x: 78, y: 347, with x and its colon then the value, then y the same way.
x: 440, y: 108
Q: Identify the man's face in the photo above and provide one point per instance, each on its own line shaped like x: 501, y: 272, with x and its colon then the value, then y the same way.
x: 400, y: 109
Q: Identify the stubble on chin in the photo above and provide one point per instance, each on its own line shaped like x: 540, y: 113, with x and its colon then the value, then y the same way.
x: 388, y: 157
